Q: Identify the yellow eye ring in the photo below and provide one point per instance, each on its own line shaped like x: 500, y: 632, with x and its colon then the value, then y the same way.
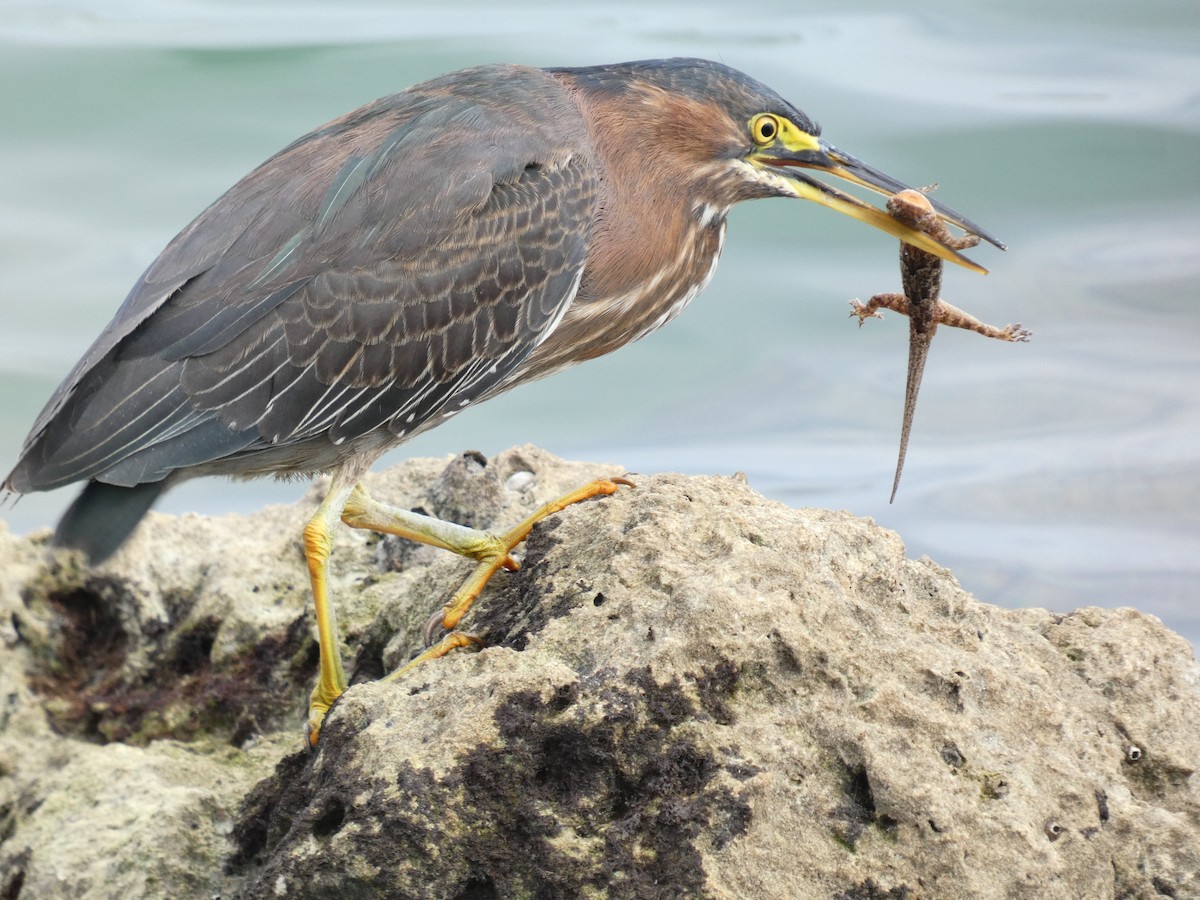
x: 764, y: 129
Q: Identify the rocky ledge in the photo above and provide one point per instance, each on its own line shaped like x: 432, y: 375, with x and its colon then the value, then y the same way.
x: 687, y: 691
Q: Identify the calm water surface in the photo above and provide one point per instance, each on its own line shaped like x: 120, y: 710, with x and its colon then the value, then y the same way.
x: 1062, y: 473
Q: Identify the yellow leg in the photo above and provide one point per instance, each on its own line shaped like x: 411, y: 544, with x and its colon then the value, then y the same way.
x: 466, y: 595
x: 318, y: 544
x: 355, y: 507
x: 493, y: 551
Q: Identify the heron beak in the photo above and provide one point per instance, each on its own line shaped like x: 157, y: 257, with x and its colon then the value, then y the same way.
x: 828, y: 159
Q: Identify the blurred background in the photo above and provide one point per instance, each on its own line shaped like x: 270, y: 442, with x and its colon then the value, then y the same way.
x: 1060, y: 473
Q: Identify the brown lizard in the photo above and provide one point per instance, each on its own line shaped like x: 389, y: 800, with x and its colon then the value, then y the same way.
x: 921, y: 276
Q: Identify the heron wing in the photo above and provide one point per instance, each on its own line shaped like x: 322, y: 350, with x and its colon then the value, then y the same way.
x: 381, y: 272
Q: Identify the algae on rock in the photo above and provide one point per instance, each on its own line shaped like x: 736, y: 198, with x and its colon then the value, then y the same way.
x: 687, y: 690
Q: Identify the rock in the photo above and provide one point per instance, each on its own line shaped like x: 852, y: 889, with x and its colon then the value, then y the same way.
x: 687, y: 691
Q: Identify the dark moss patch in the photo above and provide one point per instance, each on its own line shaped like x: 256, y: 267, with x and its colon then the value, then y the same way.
x: 589, y: 787
x: 478, y: 889
x: 180, y: 694
x: 329, y: 822
x: 731, y: 819
x: 192, y: 650
x: 869, y: 890
x: 527, y: 604
x: 270, y: 804
x: 88, y: 642
x: 716, y: 686
x: 742, y: 771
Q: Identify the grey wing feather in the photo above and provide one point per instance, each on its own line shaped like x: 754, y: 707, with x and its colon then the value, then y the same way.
x: 397, y: 263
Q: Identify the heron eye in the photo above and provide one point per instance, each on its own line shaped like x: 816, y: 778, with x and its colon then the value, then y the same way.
x: 764, y: 129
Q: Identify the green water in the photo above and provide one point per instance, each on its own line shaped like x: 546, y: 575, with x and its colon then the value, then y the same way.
x: 1061, y: 473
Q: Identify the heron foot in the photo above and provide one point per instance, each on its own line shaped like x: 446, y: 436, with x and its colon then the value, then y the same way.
x: 452, y: 641
x: 492, y: 551
x: 318, y: 706
x: 500, y: 556
x: 322, y: 700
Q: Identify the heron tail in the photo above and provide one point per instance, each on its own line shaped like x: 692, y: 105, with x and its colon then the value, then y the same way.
x: 103, y: 516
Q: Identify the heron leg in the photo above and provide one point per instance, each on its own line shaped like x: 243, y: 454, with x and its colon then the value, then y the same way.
x: 491, y: 550
x: 318, y: 544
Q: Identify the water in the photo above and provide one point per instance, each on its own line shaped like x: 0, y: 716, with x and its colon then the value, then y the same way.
x: 1062, y: 473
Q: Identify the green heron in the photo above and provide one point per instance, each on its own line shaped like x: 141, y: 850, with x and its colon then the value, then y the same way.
x: 417, y: 255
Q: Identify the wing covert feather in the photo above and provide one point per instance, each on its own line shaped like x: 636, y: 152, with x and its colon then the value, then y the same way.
x: 401, y: 260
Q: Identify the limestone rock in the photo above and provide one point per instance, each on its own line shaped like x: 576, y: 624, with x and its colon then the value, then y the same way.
x: 687, y: 691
